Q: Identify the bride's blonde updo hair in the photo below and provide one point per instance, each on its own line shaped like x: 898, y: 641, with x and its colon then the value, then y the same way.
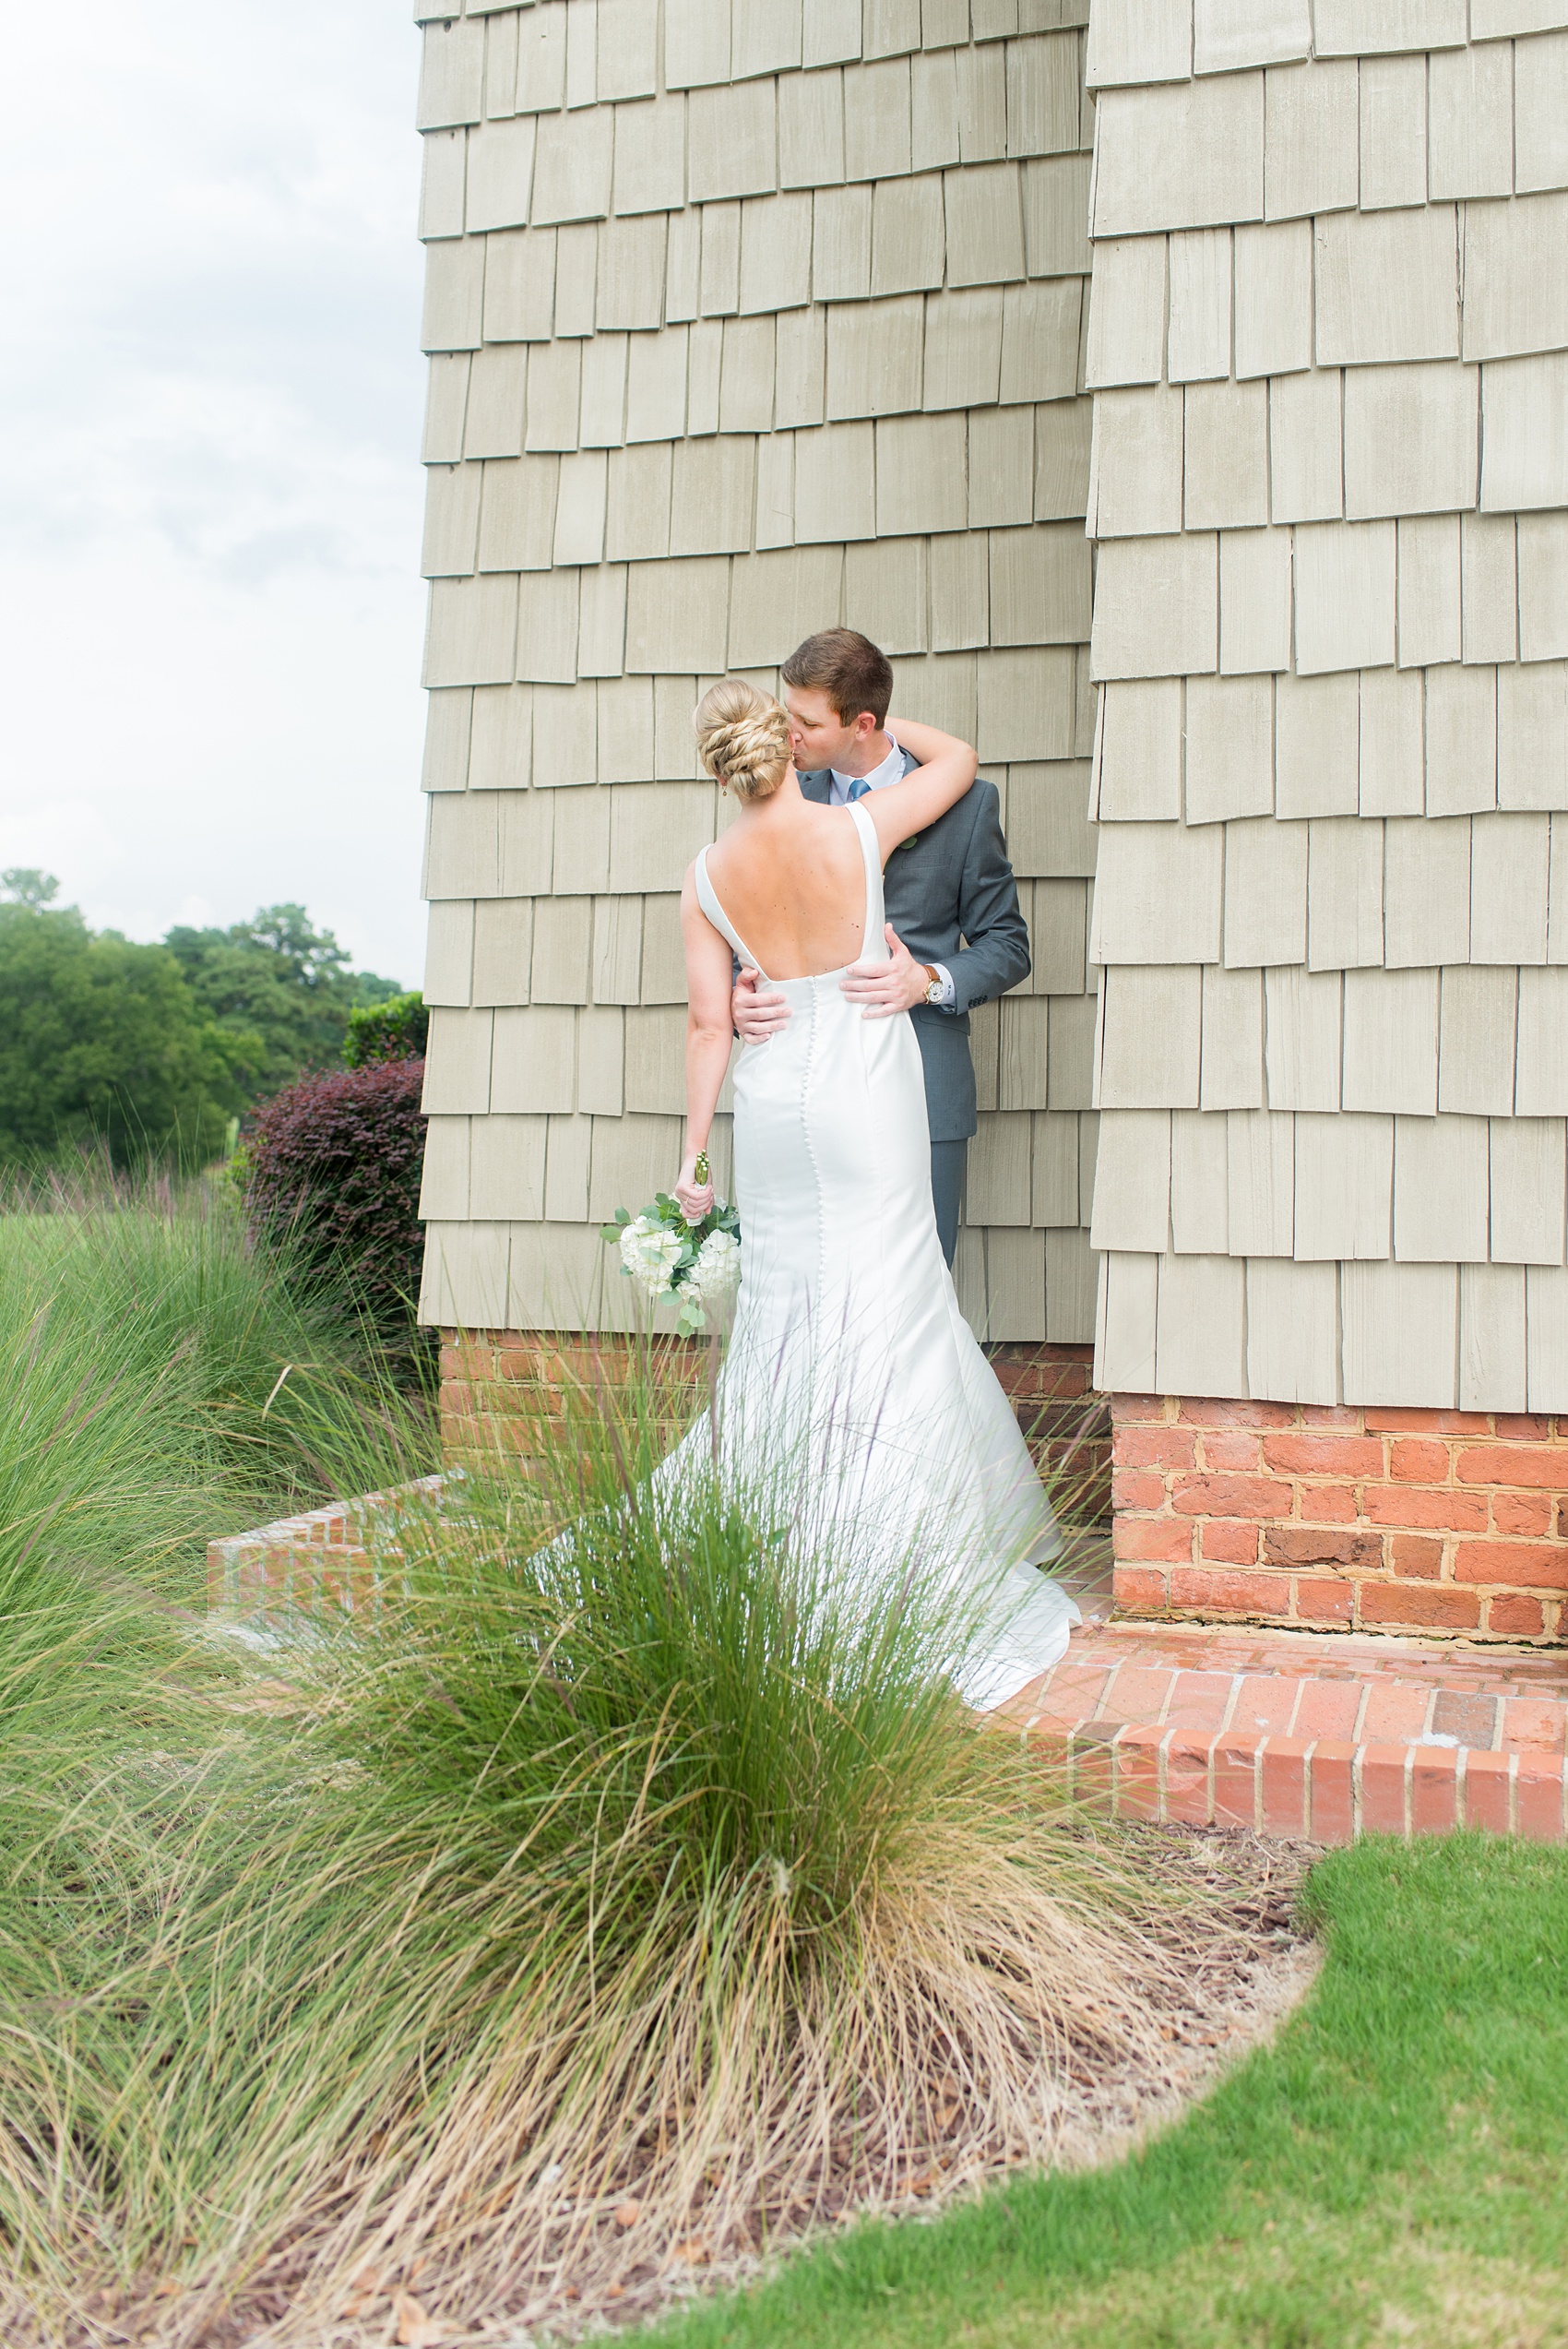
x: 742, y: 737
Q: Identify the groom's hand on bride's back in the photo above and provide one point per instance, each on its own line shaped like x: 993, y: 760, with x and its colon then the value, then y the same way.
x: 883, y: 989
x: 757, y: 1009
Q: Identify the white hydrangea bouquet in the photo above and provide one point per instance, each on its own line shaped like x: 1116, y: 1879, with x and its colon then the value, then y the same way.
x: 698, y: 1263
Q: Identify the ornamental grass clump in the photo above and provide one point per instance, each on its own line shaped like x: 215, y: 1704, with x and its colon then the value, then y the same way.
x: 618, y: 1901
x: 213, y: 1375
x: 160, y: 1380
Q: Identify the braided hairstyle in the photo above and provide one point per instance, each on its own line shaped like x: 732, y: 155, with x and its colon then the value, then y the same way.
x: 742, y: 737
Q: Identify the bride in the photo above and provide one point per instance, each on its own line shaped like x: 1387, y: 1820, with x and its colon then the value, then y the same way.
x: 848, y: 1347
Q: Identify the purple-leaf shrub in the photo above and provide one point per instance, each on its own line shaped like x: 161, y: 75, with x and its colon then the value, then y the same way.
x: 334, y: 1163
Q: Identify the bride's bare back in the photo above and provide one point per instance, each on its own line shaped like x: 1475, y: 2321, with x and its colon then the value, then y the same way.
x: 789, y: 875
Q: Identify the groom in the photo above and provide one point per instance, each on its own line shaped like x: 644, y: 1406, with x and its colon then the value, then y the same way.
x: 954, y: 925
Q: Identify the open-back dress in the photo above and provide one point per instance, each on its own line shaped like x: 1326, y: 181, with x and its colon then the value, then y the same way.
x: 848, y: 1346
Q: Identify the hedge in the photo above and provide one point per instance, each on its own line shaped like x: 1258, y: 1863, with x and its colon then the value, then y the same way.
x: 335, y: 1161
x: 393, y: 1029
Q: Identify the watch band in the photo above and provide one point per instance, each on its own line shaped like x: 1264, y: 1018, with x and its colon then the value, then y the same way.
x: 933, y: 978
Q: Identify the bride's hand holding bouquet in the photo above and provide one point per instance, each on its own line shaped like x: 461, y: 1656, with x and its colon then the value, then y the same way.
x: 686, y: 1246
x: 694, y: 1186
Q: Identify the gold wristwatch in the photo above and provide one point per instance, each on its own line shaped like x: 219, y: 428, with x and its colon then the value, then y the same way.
x: 933, y: 990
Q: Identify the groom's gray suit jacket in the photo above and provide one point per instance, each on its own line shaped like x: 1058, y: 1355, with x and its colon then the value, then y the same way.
x: 951, y: 897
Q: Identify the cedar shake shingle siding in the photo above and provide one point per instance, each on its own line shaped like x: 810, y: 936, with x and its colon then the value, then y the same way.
x: 1328, y: 346
x: 744, y: 317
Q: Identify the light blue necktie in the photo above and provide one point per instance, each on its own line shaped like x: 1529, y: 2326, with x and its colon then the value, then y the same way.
x: 857, y: 790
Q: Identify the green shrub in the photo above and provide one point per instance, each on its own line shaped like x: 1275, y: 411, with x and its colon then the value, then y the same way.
x: 394, y: 1030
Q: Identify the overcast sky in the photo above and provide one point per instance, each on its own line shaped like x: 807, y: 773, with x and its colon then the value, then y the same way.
x: 209, y: 503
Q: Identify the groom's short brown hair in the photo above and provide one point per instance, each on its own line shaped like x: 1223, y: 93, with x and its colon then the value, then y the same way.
x: 848, y: 668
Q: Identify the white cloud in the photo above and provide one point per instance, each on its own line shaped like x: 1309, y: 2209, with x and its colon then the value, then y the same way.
x: 209, y: 600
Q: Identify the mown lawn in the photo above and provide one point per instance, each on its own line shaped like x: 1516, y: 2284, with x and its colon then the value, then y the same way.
x: 1393, y: 2169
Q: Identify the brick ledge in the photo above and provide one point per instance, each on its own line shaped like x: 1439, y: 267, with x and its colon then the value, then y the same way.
x: 335, y: 1558
x: 1417, y: 1741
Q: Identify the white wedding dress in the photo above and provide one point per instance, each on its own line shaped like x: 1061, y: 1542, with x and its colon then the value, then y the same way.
x: 848, y: 1350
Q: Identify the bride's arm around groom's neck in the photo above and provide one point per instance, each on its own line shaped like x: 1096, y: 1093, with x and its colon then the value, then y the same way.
x: 947, y: 768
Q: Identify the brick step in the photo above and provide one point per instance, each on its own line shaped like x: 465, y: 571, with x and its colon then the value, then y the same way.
x: 1319, y: 1735
x: 1313, y: 1737
x: 333, y: 1557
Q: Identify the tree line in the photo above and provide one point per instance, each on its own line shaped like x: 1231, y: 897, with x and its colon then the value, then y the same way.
x: 137, y: 1048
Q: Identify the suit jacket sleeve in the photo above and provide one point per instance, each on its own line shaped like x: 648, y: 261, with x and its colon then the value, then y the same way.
x: 997, y: 954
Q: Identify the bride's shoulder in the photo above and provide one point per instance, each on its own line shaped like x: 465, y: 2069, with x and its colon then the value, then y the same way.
x: 722, y: 859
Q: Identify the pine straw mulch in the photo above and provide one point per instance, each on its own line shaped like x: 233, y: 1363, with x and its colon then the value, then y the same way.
x: 1245, y: 1963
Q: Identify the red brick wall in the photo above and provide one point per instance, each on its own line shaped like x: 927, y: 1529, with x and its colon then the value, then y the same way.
x: 1051, y: 1390
x: 1390, y: 1520
x: 494, y: 1382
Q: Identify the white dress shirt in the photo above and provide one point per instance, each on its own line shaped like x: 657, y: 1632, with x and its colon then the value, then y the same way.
x: 890, y: 771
